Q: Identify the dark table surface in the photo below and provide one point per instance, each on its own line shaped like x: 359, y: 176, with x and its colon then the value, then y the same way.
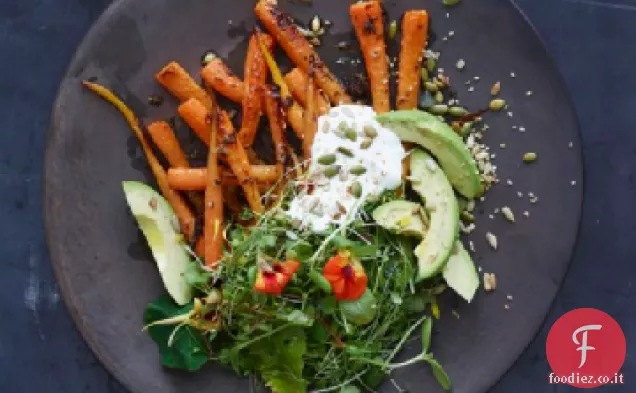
x: 40, y: 349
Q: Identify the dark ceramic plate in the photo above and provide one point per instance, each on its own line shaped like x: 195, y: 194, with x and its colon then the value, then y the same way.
x: 107, y: 276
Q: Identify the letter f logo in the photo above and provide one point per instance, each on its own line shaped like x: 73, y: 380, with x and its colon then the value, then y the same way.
x: 583, y: 344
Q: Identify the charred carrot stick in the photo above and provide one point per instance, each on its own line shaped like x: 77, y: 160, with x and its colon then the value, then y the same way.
x: 199, y: 247
x: 195, y: 179
x: 274, y: 112
x: 414, y: 37
x: 181, y: 209
x: 299, y: 50
x: 297, y: 81
x: 192, y: 112
x: 166, y: 141
x: 179, y: 83
x: 366, y: 17
x: 311, y: 114
x: 220, y: 78
x: 213, y: 210
x: 255, y: 75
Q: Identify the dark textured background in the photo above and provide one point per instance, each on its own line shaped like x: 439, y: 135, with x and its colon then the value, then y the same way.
x: 40, y: 350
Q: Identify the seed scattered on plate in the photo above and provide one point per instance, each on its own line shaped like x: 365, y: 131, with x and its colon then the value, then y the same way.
x: 529, y: 157
x: 492, y: 240
x: 571, y: 145
x: 508, y: 214
x: 471, y: 246
x: 513, y: 75
x: 509, y: 297
x: 471, y: 89
x: 522, y: 129
x: 510, y: 114
x: 526, y: 213
x: 490, y: 282
x: 520, y: 194
x: 573, y: 183
x: 495, y: 89
x: 509, y: 182
x: 507, y: 307
x: 461, y: 64
x: 529, y: 93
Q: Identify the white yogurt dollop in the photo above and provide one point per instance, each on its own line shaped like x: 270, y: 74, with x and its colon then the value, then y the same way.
x: 330, y: 201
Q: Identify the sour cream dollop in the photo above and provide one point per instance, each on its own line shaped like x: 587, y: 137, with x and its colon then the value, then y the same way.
x: 367, y: 158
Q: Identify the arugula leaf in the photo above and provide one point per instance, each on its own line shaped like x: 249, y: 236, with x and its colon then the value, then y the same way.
x: 361, y: 311
x: 196, y: 276
x: 440, y: 374
x: 279, y: 359
x: 188, y: 350
x: 299, y: 318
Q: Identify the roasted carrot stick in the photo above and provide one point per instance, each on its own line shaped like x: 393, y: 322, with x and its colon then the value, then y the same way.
x: 180, y: 84
x: 255, y: 75
x: 199, y: 247
x: 414, y: 37
x: 366, y: 17
x: 195, y: 115
x: 166, y: 141
x: 220, y: 78
x: 213, y: 210
x: 274, y: 112
x: 195, y: 179
x: 299, y: 50
x: 311, y: 114
x: 181, y: 209
x: 297, y: 81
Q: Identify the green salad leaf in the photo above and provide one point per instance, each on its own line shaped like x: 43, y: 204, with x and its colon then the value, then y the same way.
x: 181, y: 347
x: 361, y: 311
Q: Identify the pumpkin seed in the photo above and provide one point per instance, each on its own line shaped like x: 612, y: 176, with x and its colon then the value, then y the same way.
x: 424, y: 75
x: 327, y: 159
x: 466, y: 128
x: 393, y: 29
x: 431, y: 87
x: 529, y: 157
x: 497, y: 104
x: 352, y: 135
x: 431, y: 64
x: 355, y: 189
x: 495, y: 89
x: 439, y: 97
x: 467, y: 216
x: 366, y: 144
x: 345, y: 151
x: 332, y: 171
x: 457, y: 111
x: 508, y: 214
x: 358, y: 170
x: 370, y: 131
x: 451, y: 2
x: 439, y: 109
x: 440, y: 84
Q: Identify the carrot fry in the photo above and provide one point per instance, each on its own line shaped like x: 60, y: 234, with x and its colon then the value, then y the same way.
x: 181, y: 209
x: 274, y: 112
x: 195, y: 179
x: 194, y: 113
x: 311, y: 114
x: 255, y: 75
x: 414, y: 37
x: 199, y: 247
x: 366, y: 17
x: 219, y: 77
x: 299, y: 50
x: 297, y: 81
x: 180, y: 84
x: 163, y: 136
x: 213, y: 211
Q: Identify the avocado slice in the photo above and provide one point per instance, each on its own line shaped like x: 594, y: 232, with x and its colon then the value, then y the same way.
x: 460, y: 273
x: 430, y: 183
x: 402, y: 218
x: 160, y: 227
x: 440, y: 140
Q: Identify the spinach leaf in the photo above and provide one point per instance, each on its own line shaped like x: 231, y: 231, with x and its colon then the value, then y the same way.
x: 188, y: 350
x: 361, y: 311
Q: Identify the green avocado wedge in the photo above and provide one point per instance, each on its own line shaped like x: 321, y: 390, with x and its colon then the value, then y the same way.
x: 460, y: 273
x: 430, y: 183
x: 442, y: 142
x: 402, y: 218
x: 157, y: 221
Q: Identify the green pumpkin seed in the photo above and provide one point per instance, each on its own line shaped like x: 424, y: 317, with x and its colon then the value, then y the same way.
x: 439, y: 97
x: 451, y: 2
x: 345, y: 151
x: 332, y: 171
x: 440, y: 84
x: 466, y: 128
x: 352, y: 135
x: 529, y: 157
x: 366, y: 144
x: 356, y: 189
x: 370, y: 131
x: 393, y: 29
x: 358, y: 170
x: 497, y: 104
x: 424, y: 75
x: 439, y: 109
x: 327, y: 159
x: 457, y: 111
x: 431, y: 87
x: 431, y: 64
x: 467, y: 217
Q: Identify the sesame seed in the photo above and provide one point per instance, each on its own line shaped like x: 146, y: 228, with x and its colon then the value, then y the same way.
x: 514, y: 127
x: 520, y: 194
x: 490, y: 282
x: 509, y: 297
x: 571, y: 145
x: 526, y: 213
x: 522, y: 129
x: 502, y: 145
x: 491, y: 216
x: 573, y: 183
x: 509, y: 114
x: 448, y: 15
x: 451, y: 33
x: 507, y: 307
x: 509, y: 182
x: 444, y: 38
x: 461, y: 63
x: 471, y: 89
x: 512, y: 75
